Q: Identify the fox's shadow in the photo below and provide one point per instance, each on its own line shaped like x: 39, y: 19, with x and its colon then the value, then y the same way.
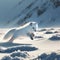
x: 11, y: 47
x: 9, y: 44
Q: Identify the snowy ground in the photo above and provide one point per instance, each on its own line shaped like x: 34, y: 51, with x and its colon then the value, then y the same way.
x: 46, y: 40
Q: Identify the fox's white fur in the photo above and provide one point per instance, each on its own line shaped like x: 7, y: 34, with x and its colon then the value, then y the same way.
x: 21, y: 31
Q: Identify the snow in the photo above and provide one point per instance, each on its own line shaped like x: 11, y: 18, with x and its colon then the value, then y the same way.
x: 54, y: 38
x: 51, y: 56
x: 19, y: 19
x: 34, y: 48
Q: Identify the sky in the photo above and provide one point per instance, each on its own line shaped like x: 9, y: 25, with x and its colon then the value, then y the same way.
x: 5, y: 7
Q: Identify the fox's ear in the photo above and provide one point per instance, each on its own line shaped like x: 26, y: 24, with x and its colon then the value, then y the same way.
x: 9, y: 34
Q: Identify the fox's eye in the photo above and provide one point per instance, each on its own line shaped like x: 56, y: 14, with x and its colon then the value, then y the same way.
x: 31, y: 24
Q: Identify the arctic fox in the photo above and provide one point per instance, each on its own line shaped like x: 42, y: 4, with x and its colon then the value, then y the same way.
x: 25, y: 30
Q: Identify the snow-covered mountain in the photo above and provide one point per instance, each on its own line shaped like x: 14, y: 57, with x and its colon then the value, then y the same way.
x: 45, y: 12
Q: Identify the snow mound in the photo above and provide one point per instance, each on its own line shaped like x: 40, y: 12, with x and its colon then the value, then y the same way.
x: 6, y: 58
x: 49, y: 32
x: 56, y: 32
x: 52, y: 56
x: 54, y: 38
x: 16, y: 58
x: 52, y: 29
x: 43, y: 29
x: 22, y: 48
x: 17, y: 55
x: 38, y: 36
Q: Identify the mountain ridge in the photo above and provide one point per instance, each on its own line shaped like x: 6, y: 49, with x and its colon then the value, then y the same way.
x: 45, y: 12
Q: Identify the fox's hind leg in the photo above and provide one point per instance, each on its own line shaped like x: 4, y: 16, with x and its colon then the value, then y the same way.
x: 12, y: 39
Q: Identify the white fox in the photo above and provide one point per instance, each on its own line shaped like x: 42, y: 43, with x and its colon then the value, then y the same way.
x: 26, y: 29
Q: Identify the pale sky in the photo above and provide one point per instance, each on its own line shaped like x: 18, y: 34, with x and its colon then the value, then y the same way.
x: 5, y: 7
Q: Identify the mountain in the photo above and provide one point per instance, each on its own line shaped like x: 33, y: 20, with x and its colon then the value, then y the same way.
x: 45, y: 12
